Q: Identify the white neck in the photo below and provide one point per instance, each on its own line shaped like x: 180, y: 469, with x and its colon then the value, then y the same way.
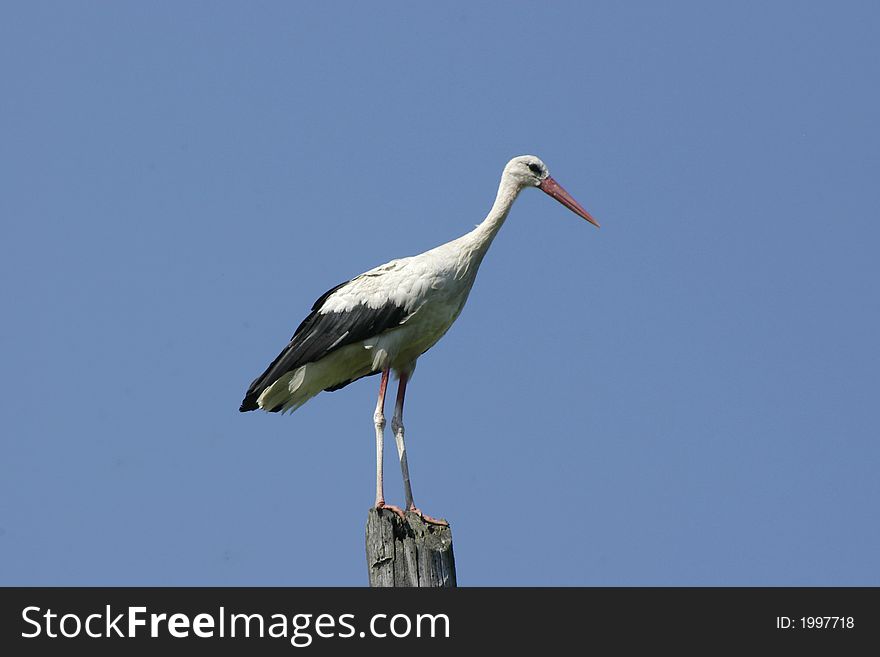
x: 480, y: 238
x: 469, y: 249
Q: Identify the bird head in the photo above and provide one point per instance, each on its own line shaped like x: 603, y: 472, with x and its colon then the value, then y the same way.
x: 530, y: 171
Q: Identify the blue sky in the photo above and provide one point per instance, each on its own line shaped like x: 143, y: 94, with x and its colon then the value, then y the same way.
x: 687, y: 396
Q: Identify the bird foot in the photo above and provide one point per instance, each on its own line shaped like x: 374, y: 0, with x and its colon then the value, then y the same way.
x: 433, y: 521
x: 394, y: 509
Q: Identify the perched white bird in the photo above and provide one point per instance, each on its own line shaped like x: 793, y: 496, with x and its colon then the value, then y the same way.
x: 386, y: 318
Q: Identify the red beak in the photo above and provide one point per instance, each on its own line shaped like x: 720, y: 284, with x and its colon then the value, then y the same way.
x: 554, y: 189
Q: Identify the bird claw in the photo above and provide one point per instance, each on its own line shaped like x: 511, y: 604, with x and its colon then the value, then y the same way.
x: 394, y: 509
x: 433, y: 521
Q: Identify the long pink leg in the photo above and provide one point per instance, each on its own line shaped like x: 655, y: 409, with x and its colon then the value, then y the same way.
x: 397, y: 428
x: 379, y: 421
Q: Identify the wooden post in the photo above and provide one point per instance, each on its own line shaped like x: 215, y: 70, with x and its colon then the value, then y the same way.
x: 408, y: 552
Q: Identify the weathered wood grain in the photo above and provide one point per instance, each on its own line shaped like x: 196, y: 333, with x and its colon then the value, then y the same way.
x: 408, y: 552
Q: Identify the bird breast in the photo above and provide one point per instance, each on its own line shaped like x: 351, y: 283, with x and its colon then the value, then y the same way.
x: 432, y: 292
x: 430, y: 288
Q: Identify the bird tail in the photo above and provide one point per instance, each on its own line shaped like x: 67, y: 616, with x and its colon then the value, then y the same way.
x: 249, y: 403
x: 294, y: 388
x: 287, y: 393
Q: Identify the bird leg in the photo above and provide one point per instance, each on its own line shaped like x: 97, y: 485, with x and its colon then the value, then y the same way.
x: 397, y: 428
x: 379, y: 421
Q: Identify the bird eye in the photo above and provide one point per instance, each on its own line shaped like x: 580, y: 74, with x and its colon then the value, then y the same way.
x: 534, y: 168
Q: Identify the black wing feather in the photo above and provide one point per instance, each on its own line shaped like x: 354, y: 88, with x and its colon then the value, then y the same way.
x: 321, y: 334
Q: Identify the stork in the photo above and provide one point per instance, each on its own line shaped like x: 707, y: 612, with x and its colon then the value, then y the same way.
x: 383, y: 320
